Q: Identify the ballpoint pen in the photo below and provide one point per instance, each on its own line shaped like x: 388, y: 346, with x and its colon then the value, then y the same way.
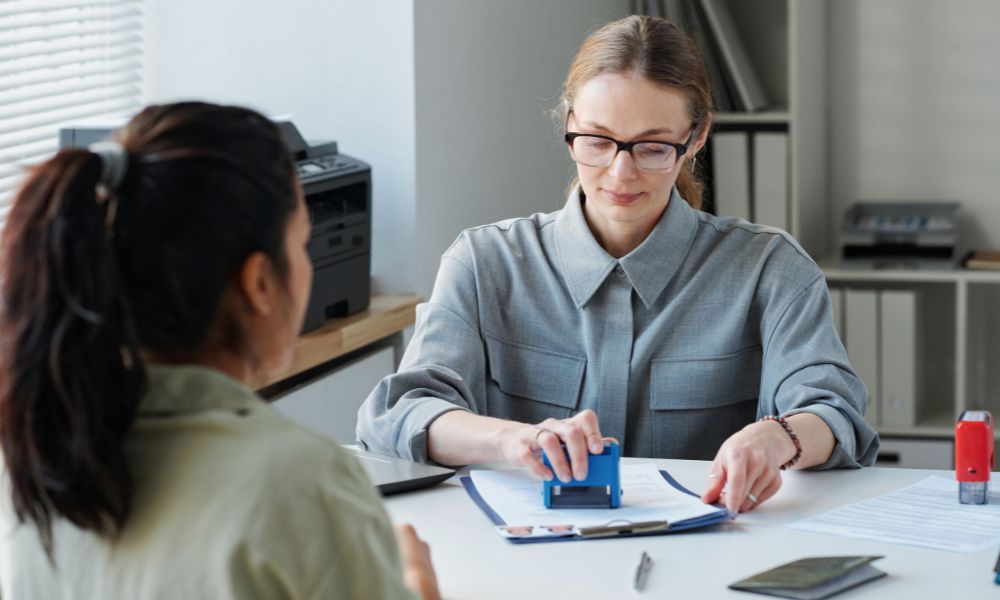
x: 996, y: 569
x: 641, y: 572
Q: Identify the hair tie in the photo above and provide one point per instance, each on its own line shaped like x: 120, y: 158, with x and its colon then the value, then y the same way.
x: 114, y: 164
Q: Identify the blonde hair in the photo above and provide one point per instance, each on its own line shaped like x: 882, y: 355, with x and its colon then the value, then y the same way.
x: 659, y: 51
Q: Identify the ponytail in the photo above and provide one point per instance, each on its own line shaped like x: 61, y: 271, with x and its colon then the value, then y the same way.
x: 70, y: 376
x: 690, y: 187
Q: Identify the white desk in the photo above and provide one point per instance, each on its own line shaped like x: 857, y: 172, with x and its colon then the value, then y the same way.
x: 472, y: 561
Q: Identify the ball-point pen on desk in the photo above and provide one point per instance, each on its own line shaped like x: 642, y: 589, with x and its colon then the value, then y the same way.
x: 642, y: 572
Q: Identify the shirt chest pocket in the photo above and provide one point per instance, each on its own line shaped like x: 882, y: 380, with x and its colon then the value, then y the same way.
x: 533, y: 384
x: 705, y: 382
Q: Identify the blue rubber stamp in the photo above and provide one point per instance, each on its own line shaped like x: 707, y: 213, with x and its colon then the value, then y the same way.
x: 600, y: 489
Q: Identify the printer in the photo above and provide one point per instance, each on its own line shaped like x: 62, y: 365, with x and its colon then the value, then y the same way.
x: 914, y: 235
x: 337, y: 191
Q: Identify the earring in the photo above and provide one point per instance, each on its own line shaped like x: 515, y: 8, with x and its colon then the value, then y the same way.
x: 694, y: 161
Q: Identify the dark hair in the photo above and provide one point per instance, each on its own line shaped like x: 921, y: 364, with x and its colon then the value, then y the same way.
x: 657, y: 50
x: 91, y: 279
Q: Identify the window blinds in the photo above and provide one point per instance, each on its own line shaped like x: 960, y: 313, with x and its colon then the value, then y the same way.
x: 62, y: 62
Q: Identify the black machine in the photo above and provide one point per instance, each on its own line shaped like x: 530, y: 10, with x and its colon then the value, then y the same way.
x: 338, y: 193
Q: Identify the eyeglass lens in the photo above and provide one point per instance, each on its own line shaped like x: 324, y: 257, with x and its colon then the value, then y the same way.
x: 598, y: 152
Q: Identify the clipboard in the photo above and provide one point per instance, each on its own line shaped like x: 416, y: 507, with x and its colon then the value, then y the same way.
x: 533, y: 534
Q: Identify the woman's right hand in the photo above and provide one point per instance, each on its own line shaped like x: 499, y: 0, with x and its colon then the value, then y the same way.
x: 522, y: 445
x: 418, y: 572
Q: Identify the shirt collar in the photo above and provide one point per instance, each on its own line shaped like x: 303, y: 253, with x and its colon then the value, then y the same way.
x: 585, y: 264
x: 175, y: 389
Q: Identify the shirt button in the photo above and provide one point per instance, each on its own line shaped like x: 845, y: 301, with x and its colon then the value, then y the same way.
x: 619, y: 271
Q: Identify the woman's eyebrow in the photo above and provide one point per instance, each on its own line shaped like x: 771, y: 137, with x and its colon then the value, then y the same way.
x: 657, y: 131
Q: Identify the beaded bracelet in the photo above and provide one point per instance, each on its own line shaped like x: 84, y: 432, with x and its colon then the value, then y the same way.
x: 791, y: 433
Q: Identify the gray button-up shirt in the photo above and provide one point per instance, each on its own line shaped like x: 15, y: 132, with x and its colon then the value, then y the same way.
x: 711, y: 323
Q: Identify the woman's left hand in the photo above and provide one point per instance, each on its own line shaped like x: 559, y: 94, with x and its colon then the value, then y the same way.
x: 746, y: 470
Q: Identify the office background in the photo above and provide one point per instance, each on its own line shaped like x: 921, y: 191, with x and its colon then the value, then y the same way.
x: 448, y: 101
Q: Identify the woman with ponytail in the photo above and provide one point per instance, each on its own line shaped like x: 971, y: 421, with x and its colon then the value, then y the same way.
x: 147, y: 284
x: 630, y: 313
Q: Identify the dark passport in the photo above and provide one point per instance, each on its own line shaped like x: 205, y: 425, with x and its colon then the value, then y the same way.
x: 812, y: 578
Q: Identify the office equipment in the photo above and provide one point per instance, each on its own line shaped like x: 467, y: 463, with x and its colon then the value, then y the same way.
x: 770, y: 179
x: 393, y: 475
x: 899, y: 348
x: 656, y: 504
x: 812, y: 578
x: 731, y: 165
x: 861, y: 326
x: 642, y: 572
x: 337, y: 190
x: 600, y: 489
x: 923, y: 514
x: 900, y: 234
x: 974, y: 456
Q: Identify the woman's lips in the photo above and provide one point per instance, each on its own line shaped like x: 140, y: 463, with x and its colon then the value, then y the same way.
x: 621, y: 198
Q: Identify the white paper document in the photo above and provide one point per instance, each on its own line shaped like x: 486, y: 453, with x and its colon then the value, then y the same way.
x: 517, y: 497
x: 925, y: 514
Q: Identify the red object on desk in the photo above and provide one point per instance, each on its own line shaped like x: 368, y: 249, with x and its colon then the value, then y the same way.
x: 974, y: 452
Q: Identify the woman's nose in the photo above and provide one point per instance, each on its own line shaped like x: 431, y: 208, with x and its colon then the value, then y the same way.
x: 623, y: 166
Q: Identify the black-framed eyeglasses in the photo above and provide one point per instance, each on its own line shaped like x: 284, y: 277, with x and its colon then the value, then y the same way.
x: 594, y: 150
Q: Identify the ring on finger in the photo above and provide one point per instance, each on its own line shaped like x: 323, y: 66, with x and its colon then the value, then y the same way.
x: 540, y: 431
x: 752, y: 497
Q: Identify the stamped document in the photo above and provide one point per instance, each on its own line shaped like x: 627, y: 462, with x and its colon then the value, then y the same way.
x: 516, y: 496
x: 926, y: 514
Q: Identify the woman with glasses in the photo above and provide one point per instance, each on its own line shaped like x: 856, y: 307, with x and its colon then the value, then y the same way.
x: 629, y: 313
x: 147, y: 284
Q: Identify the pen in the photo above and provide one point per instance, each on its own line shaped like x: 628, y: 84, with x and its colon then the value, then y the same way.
x: 641, y: 572
x: 996, y: 569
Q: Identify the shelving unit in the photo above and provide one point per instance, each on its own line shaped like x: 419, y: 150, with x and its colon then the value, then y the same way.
x: 959, y: 322
x: 958, y: 318
x: 786, y: 41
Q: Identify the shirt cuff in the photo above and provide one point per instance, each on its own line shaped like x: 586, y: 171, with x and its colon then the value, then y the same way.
x: 413, y: 443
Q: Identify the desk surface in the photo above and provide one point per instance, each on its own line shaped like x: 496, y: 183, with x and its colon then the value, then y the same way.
x: 384, y: 317
x: 472, y: 561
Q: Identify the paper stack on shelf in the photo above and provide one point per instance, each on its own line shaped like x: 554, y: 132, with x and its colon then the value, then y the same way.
x: 986, y: 260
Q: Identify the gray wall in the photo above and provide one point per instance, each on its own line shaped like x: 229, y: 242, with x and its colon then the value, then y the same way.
x: 342, y: 68
x: 487, y: 74
x: 915, y: 106
x: 446, y: 99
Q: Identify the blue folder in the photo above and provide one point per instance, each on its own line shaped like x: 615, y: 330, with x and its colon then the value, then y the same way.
x: 717, y: 516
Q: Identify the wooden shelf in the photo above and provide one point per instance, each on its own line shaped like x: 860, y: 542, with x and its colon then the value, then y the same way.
x: 385, y: 316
